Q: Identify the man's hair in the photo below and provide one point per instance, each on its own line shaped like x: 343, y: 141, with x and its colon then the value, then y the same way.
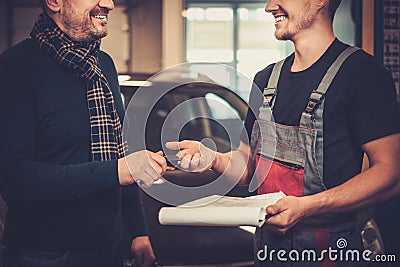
x: 332, y: 7
x: 42, y: 4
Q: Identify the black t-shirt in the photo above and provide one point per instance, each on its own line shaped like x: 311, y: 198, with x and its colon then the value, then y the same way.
x: 360, y: 106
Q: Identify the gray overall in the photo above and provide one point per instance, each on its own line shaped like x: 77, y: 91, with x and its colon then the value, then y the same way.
x: 290, y: 159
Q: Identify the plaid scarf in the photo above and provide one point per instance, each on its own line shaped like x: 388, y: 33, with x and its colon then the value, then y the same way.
x: 81, y: 58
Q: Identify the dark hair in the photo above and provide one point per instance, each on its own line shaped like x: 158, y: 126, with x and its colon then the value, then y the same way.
x: 332, y: 7
x: 42, y: 4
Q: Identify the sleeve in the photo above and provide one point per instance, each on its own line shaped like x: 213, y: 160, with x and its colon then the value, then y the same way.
x: 255, y: 102
x: 25, y: 180
x: 374, y: 106
x: 132, y: 212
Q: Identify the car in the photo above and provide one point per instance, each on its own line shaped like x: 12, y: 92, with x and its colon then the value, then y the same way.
x: 189, y: 109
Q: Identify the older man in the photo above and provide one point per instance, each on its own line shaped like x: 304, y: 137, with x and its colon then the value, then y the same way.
x: 62, y: 159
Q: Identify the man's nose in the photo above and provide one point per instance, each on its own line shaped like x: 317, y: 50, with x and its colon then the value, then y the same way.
x: 109, y: 4
x: 271, y: 6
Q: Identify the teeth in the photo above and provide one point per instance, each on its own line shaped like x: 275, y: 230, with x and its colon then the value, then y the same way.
x: 280, y: 18
x: 100, y: 17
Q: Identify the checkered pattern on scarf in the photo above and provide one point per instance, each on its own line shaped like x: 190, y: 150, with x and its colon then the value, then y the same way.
x: 81, y: 58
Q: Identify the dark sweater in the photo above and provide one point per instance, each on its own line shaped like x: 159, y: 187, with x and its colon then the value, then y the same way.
x: 57, y: 197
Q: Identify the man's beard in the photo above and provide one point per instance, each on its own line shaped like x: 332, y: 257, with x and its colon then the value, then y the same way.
x: 305, y: 22
x: 81, y: 30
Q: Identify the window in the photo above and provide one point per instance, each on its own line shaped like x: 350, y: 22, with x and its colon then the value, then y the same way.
x: 239, y: 36
x: 220, y: 108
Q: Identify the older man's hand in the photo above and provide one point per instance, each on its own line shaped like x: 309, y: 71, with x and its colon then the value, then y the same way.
x: 143, y: 167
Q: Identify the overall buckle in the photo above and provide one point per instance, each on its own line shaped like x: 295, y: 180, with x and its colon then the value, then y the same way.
x: 269, y: 95
x: 316, y: 98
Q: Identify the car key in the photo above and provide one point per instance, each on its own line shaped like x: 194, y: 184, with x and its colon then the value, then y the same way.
x: 172, y: 160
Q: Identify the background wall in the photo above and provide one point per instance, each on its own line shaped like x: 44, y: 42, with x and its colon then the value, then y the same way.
x: 173, y: 49
x: 391, y: 40
x: 145, y: 23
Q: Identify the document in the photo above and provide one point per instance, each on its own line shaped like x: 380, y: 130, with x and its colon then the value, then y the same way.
x: 219, y: 210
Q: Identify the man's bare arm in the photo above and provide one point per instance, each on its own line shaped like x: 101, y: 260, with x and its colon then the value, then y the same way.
x: 377, y: 184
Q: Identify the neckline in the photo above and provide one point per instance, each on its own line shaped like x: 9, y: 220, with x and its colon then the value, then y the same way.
x: 321, y: 62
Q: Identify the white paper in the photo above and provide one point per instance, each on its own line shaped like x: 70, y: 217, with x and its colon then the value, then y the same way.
x: 220, y: 211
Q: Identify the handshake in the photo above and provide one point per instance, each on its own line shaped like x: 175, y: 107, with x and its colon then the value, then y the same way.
x: 145, y: 167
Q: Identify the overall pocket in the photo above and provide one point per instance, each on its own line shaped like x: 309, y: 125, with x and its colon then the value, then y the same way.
x: 277, y: 175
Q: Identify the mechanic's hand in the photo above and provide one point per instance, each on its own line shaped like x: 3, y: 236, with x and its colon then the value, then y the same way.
x: 143, y: 252
x: 285, y: 214
x: 195, y: 156
x: 143, y: 167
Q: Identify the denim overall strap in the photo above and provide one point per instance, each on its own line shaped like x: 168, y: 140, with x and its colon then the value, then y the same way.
x: 271, y: 90
x: 317, y: 96
x: 312, y: 117
x: 265, y: 114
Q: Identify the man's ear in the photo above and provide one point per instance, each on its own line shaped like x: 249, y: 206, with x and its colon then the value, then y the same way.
x: 53, y: 5
x: 322, y: 3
